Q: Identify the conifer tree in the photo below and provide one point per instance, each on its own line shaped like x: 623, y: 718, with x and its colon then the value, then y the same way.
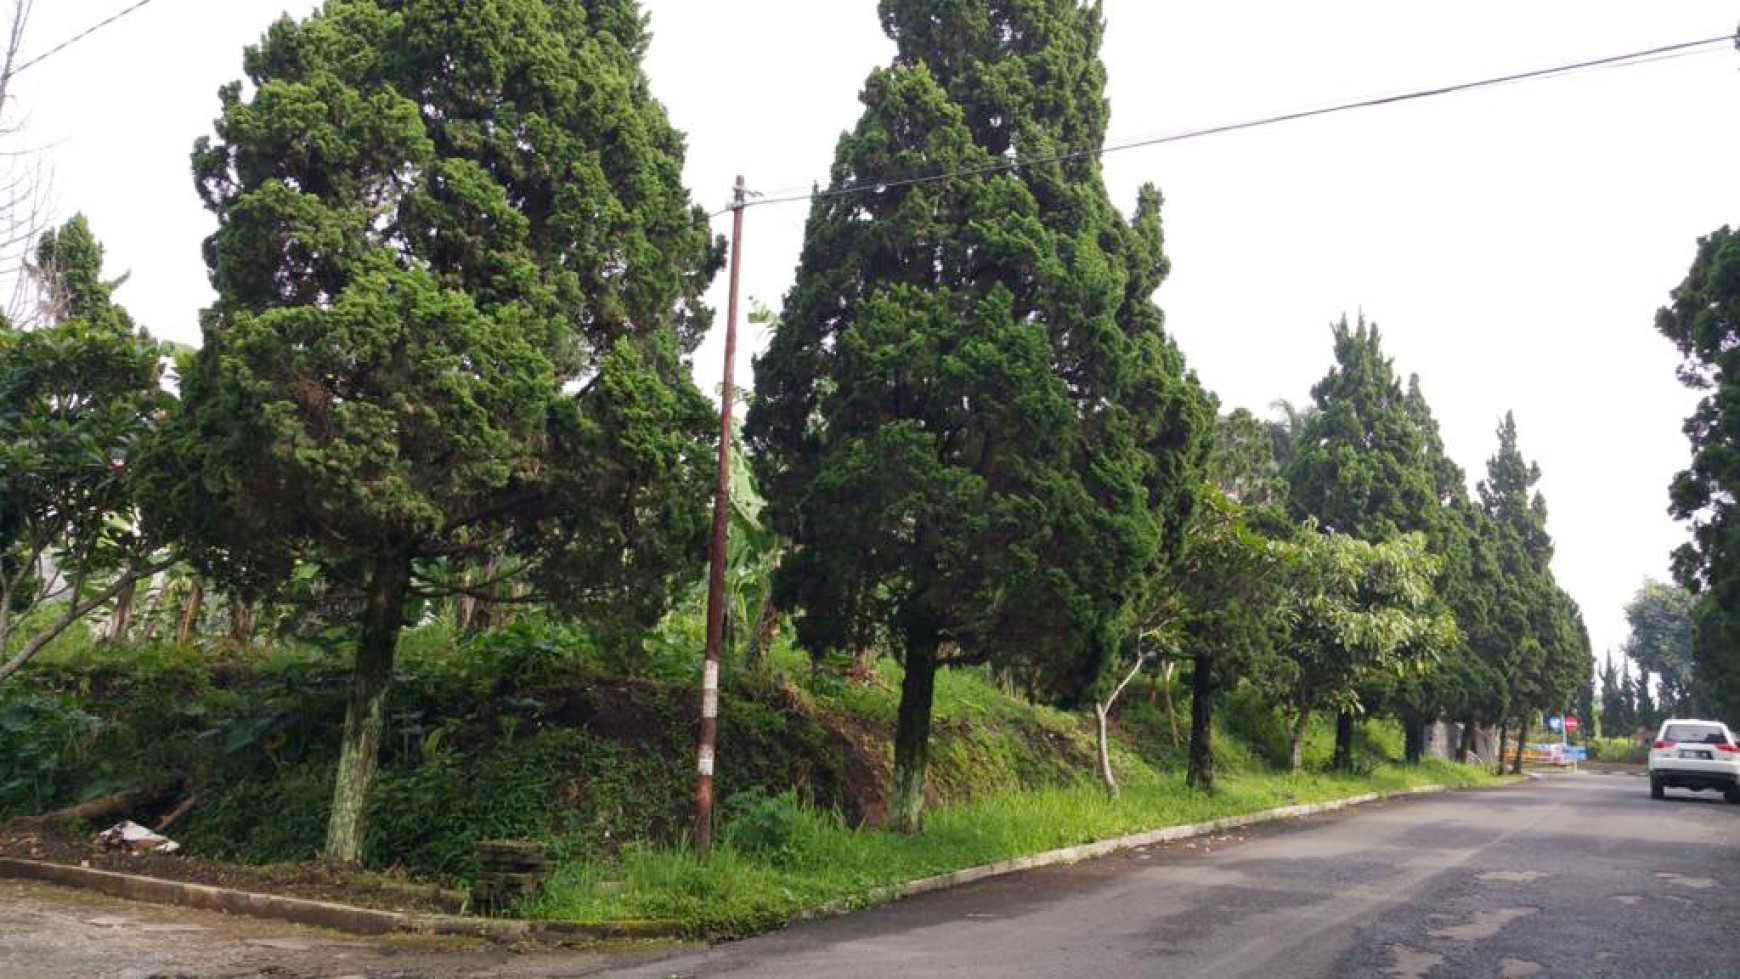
x: 1615, y: 709
x: 1545, y: 650
x: 1458, y: 684
x: 456, y: 270
x: 1361, y: 465
x: 970, y: 422
x: 1703, y: 322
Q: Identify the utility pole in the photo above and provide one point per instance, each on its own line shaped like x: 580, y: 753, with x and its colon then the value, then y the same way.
x: 716, y: 562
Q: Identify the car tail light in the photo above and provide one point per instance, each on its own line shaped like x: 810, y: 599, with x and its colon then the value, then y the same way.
x: 1663, y: 744
x: 1732, y: 749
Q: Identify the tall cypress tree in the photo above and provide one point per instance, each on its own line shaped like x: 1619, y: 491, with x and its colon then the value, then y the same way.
x: 1457, y: 684
x: 456, y: 268
x: 1586, y: 699
x: 1703, y: 321
x: 1545, y: 651
x: 1361, y: 467
x: 1615, y: 710
x: 970, y: 422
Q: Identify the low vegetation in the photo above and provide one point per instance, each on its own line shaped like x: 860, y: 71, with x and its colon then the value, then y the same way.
x: 526, y: 732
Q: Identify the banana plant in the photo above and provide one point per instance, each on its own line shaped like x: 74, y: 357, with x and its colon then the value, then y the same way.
x: 752, y: 556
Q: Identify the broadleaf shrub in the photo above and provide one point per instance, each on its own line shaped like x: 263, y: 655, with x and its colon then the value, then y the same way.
x: 759, y: 823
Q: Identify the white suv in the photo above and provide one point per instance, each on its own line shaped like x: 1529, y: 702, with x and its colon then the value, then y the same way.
x: 1698, y: 755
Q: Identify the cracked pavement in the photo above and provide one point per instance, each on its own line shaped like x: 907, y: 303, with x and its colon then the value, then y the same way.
x: 1574, y: 875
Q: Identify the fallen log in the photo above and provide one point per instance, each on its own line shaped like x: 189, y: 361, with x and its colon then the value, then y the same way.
x: 115, y: 805
x: 181, y: 809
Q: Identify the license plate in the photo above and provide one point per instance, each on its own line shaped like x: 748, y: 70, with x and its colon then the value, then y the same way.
x: 1703, y: 755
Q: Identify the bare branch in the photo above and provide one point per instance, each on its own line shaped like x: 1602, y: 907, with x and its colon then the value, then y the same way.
x: 78, y: 610
x: 443, y: 590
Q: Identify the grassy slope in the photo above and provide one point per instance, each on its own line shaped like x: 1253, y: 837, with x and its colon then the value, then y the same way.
x: 736, y: 891
x: 809, y: 857
x: 532, y: 733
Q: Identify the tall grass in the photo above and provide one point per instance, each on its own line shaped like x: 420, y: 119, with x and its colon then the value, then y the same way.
x: 736, y: 891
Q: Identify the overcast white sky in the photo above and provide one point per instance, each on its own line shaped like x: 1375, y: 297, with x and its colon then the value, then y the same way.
x: 1513, y: 244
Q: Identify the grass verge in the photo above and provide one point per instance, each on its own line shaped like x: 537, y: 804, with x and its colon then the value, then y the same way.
x: 817, y: 859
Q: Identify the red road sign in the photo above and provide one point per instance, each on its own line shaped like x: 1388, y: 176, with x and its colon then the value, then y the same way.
x: 1570, y: 723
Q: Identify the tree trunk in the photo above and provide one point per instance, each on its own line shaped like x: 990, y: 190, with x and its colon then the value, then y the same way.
x: 1201, y: 768
x: 766, y: 630
x: 158, y: 587
x: 241, y: 621
x: 1465, y: 742
x: 76, y: 610
x: 864, y: 663
x: 1106, y: 776
x: 190, y: 613
x: 463, y: 607
x: 123, y: 618
x: 1522, y: 739
x: 1103, y: 713
x: 1343, y: 758
x: 1166, y: 670
x: 1413, y: 741
x: 1296, y: 744
x: 1503, y: 735
x: 364, y: 717
x: 912, y: 734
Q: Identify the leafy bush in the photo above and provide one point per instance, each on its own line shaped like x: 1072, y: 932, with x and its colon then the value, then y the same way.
x: 44, y: 738
x: 1622, y: 750
x: 762, y: 824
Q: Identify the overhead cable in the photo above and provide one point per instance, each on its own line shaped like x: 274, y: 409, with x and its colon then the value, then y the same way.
x: 1629, y: 59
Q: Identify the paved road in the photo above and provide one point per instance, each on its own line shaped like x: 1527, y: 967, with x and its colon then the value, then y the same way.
x: 53, y: 933
x: 1567, y: 876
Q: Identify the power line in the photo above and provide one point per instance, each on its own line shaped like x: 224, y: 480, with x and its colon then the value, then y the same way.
x: 1627, y: 60
x: 69, y: 42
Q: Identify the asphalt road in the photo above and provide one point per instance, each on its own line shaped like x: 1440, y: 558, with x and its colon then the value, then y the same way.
x: 1566, y: 876
x: 1579, y: 876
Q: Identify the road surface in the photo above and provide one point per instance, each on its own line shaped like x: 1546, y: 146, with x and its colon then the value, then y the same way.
x: 1579, y: 875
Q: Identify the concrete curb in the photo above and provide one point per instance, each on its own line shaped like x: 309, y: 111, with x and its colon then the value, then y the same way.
x: 369, y: 921
x: 1100, y: 848
x: 324, y: 914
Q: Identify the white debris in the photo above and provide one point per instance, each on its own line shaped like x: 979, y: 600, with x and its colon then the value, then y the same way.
x: 128, y: 835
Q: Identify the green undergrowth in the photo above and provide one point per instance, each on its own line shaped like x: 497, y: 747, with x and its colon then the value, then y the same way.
x: 531, y: 731
x: 747, y: 886
x: 1626, y: 751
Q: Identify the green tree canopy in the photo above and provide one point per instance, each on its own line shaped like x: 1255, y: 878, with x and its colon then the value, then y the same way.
x: 970, y: 422
x: 456, y: 269
x: 1351, y: 607
x: 1242, y: 463
x: 1538, y: 640
x: 1461, y: 683
x: 77, y: 397
x: 1229, y: 589
x: 1360, y: 464
x: 1360, y: 467
x: 1702, y: 320
x: 1617, y: 720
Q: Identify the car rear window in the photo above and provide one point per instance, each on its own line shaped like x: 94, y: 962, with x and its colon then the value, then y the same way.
x: 1695, y: 734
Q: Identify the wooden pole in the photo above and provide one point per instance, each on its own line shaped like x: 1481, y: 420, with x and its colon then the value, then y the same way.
x: 709, y: 730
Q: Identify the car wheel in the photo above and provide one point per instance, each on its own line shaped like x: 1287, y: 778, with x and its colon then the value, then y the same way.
x: 1656, y: 789
x: 1733, y: 796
